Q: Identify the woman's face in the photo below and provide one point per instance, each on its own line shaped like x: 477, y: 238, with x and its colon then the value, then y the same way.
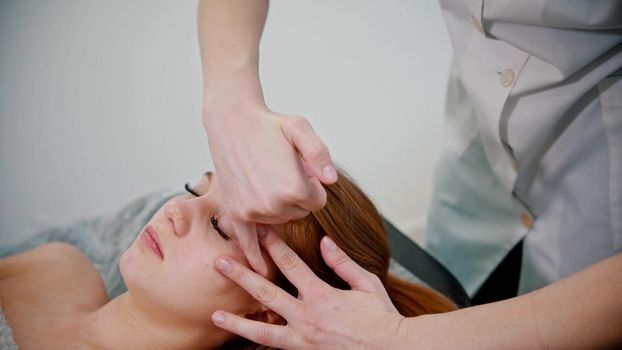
x: 175, y: 277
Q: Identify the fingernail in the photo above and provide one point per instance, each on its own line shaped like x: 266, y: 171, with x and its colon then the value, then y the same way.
x: 223, y: 265
x: 218, y: 318
x: 261, y: 230
x: 329, y: 172
x: 329, y: 244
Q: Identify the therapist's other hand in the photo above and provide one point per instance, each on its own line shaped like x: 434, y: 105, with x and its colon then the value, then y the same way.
x: 322, y: 317
x: 270, y: 167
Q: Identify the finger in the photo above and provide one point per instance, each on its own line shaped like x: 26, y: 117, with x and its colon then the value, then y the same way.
x: 226, y: 226
x: 357, y: 277
x: 280, y: 212
x: 316, y: 196
x: 280, y: 337
x: 294, y: 269
x: 293, y: 212
x: 261, y: 289
x: 301, y: 135
x: 246, y: 235
x: 285, y: 214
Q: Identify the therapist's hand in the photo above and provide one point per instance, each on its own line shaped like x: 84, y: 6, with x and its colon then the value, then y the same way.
x: 270, y: 167
x: 322, y: 317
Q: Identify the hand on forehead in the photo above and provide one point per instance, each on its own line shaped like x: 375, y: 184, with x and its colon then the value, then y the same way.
x: 209, y: 189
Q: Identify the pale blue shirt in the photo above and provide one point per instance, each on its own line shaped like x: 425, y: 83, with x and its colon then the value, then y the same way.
x: 533, y: 145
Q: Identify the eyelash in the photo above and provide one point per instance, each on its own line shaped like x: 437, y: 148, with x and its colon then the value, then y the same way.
x: 222, y: 234
x: 213, y: 219
x: 190, y: 190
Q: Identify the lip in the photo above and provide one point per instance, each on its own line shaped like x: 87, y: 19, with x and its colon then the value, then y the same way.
x: 151, y: 239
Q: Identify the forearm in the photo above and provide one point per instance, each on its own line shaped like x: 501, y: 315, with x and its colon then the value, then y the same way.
x: 229, y: 36
x: 582, y: 311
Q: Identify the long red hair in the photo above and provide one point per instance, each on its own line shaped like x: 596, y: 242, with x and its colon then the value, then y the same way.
x: 354, y: 224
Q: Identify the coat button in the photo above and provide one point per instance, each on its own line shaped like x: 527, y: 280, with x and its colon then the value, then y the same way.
x: 526, y: 220
x: 507, y: 77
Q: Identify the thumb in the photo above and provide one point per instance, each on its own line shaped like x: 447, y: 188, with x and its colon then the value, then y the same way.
x: 300, y: 134
x: 357, y: 277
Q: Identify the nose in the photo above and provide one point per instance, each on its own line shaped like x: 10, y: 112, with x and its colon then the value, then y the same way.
x: 184, y: 211
x: 180, y: 215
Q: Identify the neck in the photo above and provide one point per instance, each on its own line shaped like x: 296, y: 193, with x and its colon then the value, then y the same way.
x: 122, y: 324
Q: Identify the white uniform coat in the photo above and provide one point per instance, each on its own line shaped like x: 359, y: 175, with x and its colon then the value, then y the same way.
x: 533, y: 145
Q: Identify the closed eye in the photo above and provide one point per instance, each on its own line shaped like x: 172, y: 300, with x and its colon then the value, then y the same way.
x: 218, y: 229
x: 213, y: 219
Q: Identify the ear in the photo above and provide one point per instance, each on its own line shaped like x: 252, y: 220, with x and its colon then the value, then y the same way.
x: 263, y: 314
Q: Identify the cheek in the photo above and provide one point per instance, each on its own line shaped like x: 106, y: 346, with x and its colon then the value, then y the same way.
x: 185, y: 284
x: 204, y: 288
x: 190, y: 285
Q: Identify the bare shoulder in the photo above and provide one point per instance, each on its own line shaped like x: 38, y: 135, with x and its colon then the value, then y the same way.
x: 54, y: 252
x: 63, y: 254
x: 46, y: 289
x: 58, y: 249
x: 52, y: 266
x: 45, y: 250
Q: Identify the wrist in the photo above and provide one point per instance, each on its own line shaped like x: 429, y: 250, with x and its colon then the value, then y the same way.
x: 233, y: 93
x: 401, y: 339
x: 388, y: 335
x: 414, y: 330
x: 234, y: 71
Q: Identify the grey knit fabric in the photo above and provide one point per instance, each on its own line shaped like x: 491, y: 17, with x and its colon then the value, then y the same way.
x: 6, y: 334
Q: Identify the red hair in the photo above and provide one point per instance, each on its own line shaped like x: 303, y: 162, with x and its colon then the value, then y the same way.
x: 355, y: 225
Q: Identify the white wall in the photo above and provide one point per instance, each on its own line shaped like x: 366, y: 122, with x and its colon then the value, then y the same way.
x: 100, y: 101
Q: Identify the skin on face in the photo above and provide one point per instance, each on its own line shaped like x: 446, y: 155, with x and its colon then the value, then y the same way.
x: 184, y: 286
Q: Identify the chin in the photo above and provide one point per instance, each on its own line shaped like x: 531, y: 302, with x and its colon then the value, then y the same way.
x: 126, y: 263
x: 139, y: 277
x: 135, y: 274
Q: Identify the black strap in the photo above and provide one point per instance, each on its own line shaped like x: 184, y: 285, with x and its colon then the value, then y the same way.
x: 420, y: 263
x: 503, y: 281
